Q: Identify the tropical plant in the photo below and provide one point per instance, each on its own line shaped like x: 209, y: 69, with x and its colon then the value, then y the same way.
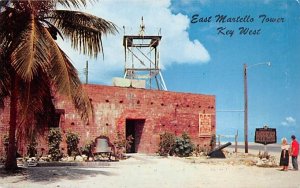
x: 5, y: 139
x: 180, y: 146
x: 31, y: 148
x: 122, y: 145
x: 5, y: 143
x: 166, y: 144
x: 34, y: 67
x: 54, y: 140
x: 183, y: 146
x: 72, y: 140
x: 87, y: 149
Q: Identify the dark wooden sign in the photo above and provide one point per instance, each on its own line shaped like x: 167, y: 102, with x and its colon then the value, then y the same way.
x: 265, y: 136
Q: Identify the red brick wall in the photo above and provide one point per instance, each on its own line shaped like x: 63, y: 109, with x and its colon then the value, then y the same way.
x: 4, y: 119
x: 163, y: 111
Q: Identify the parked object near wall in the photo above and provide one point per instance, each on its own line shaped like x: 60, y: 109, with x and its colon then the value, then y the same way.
x: 217, y: 152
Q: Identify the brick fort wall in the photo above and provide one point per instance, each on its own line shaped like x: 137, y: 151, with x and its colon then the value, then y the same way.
x: 144, y: 113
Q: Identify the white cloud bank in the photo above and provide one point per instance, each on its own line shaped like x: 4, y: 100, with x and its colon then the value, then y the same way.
x: 289, y: 121
x: 175, y: 47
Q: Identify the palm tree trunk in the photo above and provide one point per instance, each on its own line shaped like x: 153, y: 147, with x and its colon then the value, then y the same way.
x: 11, y: 161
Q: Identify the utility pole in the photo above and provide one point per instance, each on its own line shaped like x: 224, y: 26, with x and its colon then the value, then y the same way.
x: 86, y: 72
x: 246, y: 102
x: 245, y: 109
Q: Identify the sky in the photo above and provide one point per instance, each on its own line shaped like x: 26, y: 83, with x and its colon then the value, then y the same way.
x: 202, y: 54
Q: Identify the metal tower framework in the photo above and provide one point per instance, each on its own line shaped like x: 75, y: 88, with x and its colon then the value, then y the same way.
x: 142, y: 60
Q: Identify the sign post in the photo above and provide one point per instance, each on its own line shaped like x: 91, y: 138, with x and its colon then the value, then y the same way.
x: 265, y: 136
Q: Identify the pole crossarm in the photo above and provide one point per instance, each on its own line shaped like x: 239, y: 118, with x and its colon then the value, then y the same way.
x: 230, y: 111
x: 264, y: 63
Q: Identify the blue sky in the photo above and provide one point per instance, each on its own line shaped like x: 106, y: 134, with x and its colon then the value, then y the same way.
x: 196, y: 59
x: 274, y: 91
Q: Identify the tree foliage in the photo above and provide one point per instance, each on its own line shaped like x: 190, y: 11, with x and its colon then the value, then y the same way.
x: 183, y: 145
x: 72, y: 140
x: 31, y: 148
x: 174, y: 145
x: 54, y: 140
x: 34, y: 67
x: 166, y: 144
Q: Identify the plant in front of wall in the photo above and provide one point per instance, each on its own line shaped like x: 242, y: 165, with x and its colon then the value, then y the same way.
x: 5, y: 139
x: 5, y: 143
x: 31, y: 148
x: 200, y: 150
x: 87, y: 149
x: 128, y: 143
x: 122, y: 144
x: 54, y: 139
x: 72, y: 140
x: 183, y: 146
x: 213, y: 142
x: 166, y: 144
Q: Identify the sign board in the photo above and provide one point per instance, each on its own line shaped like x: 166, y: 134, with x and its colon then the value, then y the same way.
x: 265, y: 136
x: 204, y: 125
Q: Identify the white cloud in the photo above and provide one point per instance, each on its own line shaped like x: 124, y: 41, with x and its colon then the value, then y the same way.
x: 289, y: 121
x: 175, y: 47
x: 203, y: 2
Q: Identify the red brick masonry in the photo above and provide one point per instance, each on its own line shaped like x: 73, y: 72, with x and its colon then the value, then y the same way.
x: 148, y: 112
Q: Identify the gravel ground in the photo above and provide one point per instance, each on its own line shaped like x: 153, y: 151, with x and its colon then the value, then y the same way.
x: 153, y: 171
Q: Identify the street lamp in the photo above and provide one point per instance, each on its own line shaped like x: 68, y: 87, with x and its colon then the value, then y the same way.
x: 246, y: 102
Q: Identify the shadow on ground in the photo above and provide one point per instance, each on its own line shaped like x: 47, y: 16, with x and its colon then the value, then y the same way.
x: 52, y: 174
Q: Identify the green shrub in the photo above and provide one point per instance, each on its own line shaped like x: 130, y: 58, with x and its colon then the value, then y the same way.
x: 183, y: 146
x: 31, y: 148
x: 54, y: 139
x: 72, y: 140
x: 5, y: 139
x: 128, y: 143
x: 122, y: 144
x: 167, y: 143
x: 180, y: 146
x: 87, y: 148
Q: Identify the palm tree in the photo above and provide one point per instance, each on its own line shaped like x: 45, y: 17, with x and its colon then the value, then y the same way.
x: 33, y: 66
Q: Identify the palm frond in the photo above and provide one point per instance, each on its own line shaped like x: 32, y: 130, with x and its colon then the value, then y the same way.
x: 6, y: 28
x: 4, y: 83
x: 58, y: 71
x: 4, y: 72
x: 53, y: 30
x: 36, y: 108
x: 32, y: 95
x: 3, y: 4
x: 70, y: 3
x: 35, y: 99
x: 30, y: 54
x: 65, y: 78
x: 79, y: 98
x: 84, y: 30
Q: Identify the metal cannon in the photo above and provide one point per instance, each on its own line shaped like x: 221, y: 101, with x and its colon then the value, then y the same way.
x: 217, y: 152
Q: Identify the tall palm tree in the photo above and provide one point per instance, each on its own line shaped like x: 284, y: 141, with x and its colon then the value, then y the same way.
x: 33, y: 66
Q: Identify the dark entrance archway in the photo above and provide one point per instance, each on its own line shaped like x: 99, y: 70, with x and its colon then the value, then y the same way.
x: 134, y: 128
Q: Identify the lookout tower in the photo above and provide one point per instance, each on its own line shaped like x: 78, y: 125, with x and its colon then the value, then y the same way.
x: 142, y: 59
